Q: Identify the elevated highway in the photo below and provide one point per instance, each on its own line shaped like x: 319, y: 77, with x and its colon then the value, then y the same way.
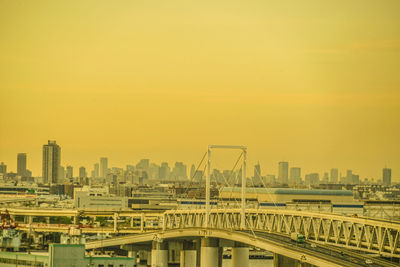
x: 379, y: 237
x: 304, y: 253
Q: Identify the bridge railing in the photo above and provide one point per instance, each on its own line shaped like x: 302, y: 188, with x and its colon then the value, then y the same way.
x: 355, y: 233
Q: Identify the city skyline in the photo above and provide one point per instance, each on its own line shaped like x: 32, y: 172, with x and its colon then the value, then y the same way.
x: 290, y: 165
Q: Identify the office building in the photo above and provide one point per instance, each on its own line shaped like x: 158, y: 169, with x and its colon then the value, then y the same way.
x: 82, y: 172
x: 179, y: 171
x: 387, y: 176
x: 334, y: 178
x: 103, y: 167
x: 70, y: 172
x: 96, y: 171
x: 312, y: 179
x: 283, y: 172
x: 164, y: 171
x: 295, y: 175
x: 21, y: 164
x: 51, y: 162
x: 143, y: 164
x: 349, y: 176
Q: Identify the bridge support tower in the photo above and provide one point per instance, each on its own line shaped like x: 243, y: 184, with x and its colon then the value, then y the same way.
x: 240, y: 255
x: 159, y: 254
x: 209, y: 252
x: 188, y: 257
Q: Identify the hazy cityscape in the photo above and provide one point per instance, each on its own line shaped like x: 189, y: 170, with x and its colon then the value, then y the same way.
x: 199, y: 133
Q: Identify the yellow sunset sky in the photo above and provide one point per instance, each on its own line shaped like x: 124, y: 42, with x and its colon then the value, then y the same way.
x: 316, y: 83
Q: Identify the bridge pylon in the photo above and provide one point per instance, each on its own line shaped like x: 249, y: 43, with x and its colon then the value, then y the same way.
x: 243, y: 202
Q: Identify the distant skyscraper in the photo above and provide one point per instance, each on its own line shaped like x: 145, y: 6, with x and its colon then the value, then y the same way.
x: 51, y: 162
x: 61, y: 174
x: 295, y: 175
x: 164, y: 171
x: 355, y: 179
x: 325, y: 178
x: 103, y: 167
x: 143, y: 164
x: 180, y: 171
x: 334, y: 175
x: 312, y: 179
x: 283, y: 172
x: 3, y: 168
x: 257, y: 179
x: 387, y: 176
x: 349, y: 176
x: 70, y: 172
x: 96, y: 171
x: 21, y: 164
x: 82, y: 172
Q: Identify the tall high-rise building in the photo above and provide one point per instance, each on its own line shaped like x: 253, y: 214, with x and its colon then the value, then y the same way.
x: 3, y: 169
x: 21, y: 164
x: 179, y: 171
x: 51, y: 162
x: 257, y: 179
x: 283, y: 172
x: 164, y: 171
x: 61, y: 174
x: 387, y: 176
x: 311, y: 179
x: 334, y: 175
x: 96, y: 170
x: 70, y: 172
x: 295, y: 175
x: 143, y: 164
x: 349, y: 176
x: 82, y: 172
x: 103, y: 167
x: 325, y: 178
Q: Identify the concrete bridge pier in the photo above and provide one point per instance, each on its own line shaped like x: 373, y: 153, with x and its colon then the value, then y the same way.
x: 115, y: 223
x: 240, y: 255
x: 209, y: 252
x: 159, y: 254
x: 188, y: 255
x: 133, y: 254
x: 28, y: 219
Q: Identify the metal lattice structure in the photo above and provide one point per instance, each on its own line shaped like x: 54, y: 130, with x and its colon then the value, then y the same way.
x: 374, y: 236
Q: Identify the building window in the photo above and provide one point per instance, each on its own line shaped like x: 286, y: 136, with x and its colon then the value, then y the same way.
x: 111, y: 265
x: 100, y: 265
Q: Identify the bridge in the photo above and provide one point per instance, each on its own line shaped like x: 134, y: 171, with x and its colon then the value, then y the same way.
x: 331, y: 239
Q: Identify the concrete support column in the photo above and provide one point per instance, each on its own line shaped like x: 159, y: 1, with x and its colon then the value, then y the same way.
x: 188, y: 255
x: 142, y: 222
x: 148, y: 258
x: 47, y: 220
x: 76, y: 219
x: 159, y: 254
x: 115, y: 222
x: 28, y: 219
x: 133, y: 254
x: 240, y: 255
x: 209, y: 252
x: 132, y: 221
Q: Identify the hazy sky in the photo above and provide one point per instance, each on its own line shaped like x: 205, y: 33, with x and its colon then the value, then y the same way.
x: 313, y: 82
